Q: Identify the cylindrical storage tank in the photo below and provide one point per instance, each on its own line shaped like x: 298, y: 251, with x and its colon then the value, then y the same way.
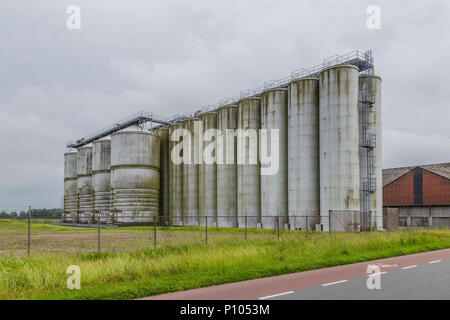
x: 274, y: 178
x: 372, y: 156
x: 208, y: 172
x: 249, y: 179
x: 339, y: 143
x: 84, y: 184
x: 175, y: 178
x: 135, y: 166
x: 70, y: 187
x: 303, y: 153
x: 101, y: 179
x: 227, y: 119
x: 190, y: 176
x: 163, y: 134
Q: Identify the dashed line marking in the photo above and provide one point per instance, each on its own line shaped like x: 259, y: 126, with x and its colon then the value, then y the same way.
x: 409, y: 267
x: 436, y: 261
x: 331, y: 283
x: 276, y: 295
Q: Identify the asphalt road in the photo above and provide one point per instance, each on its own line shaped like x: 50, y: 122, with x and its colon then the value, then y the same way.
x: 424, y: 281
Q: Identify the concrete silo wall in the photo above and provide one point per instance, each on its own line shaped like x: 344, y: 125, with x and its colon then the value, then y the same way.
x: 303, y: 153
x: 84, y: 184
x: 208, y: 174
x: 274, y: 186
x: 135, y: 176
x: 101, y: 179
x: 175, y: 180
x: 227, y: 119
x: 70, y: 187
x: 249, y: 179
x: 163, y: 134
x: 339, y: 141
x: 190, y: 178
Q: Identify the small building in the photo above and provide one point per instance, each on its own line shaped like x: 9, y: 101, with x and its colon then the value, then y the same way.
x: 421, y: 194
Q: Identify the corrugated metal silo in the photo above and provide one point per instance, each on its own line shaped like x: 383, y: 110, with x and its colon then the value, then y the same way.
x: 249, y: 179
x: 339, y: 140
x: 371, y: 157
x: 101, y: 178
x: 190, y: 180
x: 163, y: 134
x: 303, y: 153
x: 175, y: 182
x: 135, y: 166
x: 70, y: 187
x: 208, y: 175
x: 274, y: 187
x: 227, y: 118
x: 84, y: 184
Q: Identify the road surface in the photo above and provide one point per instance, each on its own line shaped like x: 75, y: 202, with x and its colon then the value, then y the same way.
x: 418, y: 276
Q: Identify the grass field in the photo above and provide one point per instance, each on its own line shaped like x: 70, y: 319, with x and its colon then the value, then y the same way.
x: 131, y: 268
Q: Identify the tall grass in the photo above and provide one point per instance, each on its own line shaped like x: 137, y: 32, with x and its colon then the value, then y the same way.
x: 184, y: 266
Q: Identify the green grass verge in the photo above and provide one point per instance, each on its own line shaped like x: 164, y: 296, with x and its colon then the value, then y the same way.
x: 148, y: 271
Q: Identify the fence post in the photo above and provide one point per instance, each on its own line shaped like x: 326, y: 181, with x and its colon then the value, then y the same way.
x: 245, y: 225
x: 307, y: 225
x: 98, y: 227
x: 154, y: 230
x: 206, y: 229
x: 329, y: 222
x: 29, y: 229
x: 278, y: 226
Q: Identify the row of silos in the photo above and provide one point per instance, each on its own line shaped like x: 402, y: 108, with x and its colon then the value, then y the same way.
x: 117, y: 179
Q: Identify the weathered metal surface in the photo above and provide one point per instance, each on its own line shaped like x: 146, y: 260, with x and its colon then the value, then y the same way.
x: 70, y: 187
x: 163, y: 134
x: 190, y: 181
x: 101, y: 179
x: 175, y: 182
x: 84, y: 184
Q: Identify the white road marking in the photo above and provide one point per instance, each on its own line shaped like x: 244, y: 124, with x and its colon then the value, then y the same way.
x: 436, y: 261
x: 331, y: 283
x: 409, y: 267
x: 276, y: 295
x: 376, y: 274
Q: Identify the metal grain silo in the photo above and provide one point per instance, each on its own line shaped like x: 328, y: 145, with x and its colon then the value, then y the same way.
x: 227, y: 118
x: 303, y: 153
x: 84, y: 184
x: 339, y: 141
x: 175, y: 181
x: 190, y: 178
x: 249, y: 179
x: 135, y: 166
x: 370, y: 150
x: 70, y: 187
x: 274, y: 185
x: 101, y: 178
x: 163, y: 134
x: 208, y: 174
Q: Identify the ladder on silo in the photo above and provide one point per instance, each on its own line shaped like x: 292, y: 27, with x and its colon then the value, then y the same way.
x: 368, y: 141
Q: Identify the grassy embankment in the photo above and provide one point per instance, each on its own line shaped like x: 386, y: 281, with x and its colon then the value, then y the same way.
x: 125, y: 275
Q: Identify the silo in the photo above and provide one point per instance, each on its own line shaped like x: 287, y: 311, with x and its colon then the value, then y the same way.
x: 70, y: 187
x: 135, y: 171
x: 274, y: 183
x: 175, y: 181
x: 208, y: 173
x: 249, y: 179
x: 370, y: 151
x: 163, y: 134
x: 84, y: 184
x: 190, y: 178
x: 227, y: 119
x: 339, y: 142
x: 101, y: 179
x: 303, y: 153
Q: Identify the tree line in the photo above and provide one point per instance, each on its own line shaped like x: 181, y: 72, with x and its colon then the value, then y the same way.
x: 34, y: 213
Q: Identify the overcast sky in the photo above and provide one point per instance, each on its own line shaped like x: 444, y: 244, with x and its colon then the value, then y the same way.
x: 175, y: 56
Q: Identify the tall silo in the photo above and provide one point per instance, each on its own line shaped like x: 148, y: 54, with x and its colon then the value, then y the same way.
x: 163, y: 134
x: 190, y: 177
x: 101, y: 179
x: 70, y: 187
x: 135, y: 171
x: 208, y: 173
x: 227, y: 119
x: 175, y: 179
x: 249, y: 179
x: 274, y: 183
x: 303, y: 153
x: 370, y: 150
x: 339, y: 142
x: 84, y: 184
